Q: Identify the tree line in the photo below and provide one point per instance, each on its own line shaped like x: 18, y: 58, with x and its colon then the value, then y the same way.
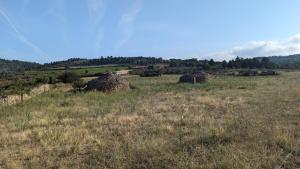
x: 106, y: 61
x: 250, y: 63
x: 205, y: 64
x: 16, y: 65
x: 292, y: 61
x: 237, y: 63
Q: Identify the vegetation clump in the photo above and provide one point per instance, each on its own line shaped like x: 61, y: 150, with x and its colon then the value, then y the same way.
x: 3, y: 94
x: 269, y: 73
x: 19, y: 88
x: 42, y: 80
x: 258, y: 73
x: 79, y: 85
x: 248, y: 73
x: 199, y: 77
x: 108, y: 82
x: 151, y: 73
x: 68, y: 77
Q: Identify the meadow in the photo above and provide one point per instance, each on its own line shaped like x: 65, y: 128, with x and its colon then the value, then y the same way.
x: 228, y: 123
x: 82, y: 71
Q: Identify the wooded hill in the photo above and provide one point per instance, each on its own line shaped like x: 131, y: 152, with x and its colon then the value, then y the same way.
x: 292, y: 61
x: 110, y: 60
x: 16, y: 65
x: 133, y: 61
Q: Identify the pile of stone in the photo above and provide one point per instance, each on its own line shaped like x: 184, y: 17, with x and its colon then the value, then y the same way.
x: 108, y: 83
x: 199, y: 77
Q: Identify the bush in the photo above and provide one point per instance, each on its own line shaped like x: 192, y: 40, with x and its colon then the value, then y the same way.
x: 20, y: 88
x: 181, y: 70
x: 79, y: 85
x: 3, y: 94
x: 258, y: 73
x: 51, y: 80
x: 68, y: 77
x: 42, y: 80
x: 248, y: 73
x: 269, y: 73
x: 151, y: 73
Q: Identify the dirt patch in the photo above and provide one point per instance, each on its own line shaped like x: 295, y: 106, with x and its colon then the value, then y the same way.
x: 14, y: 99
x: 122, y: 72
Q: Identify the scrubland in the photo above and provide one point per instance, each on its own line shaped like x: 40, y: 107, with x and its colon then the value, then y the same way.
x: 229, y: 122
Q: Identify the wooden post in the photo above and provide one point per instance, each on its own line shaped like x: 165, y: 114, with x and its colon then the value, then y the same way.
x: 22, y: 97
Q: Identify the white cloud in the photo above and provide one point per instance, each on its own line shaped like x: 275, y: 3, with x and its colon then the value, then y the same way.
x: 126, y: 23
x: 294, y: 39
x: 287, y: 46
x: 20, y: 36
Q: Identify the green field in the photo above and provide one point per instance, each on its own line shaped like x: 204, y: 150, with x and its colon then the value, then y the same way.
x: 82, y: 71
x: 229, y: 122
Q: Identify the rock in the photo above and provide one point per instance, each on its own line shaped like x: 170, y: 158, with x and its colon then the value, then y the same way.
x: 108, y: 83
x: 199, y: 77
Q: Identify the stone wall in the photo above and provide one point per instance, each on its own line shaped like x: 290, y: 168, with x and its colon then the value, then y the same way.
x: 13, y: 99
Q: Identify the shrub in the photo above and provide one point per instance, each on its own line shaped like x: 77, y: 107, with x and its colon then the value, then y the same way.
x: 51, y: 80
x: 151, y: 73
x: 3, y: 94
x: 42, y: 80
x: 269, y: 73
x: 20, y: 88
x: 79, y: 85
x: 257, y: 73
x: 68, y: 77
x: 248, y: 73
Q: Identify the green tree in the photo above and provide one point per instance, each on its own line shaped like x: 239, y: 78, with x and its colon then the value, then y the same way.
x: 211, y: 62
x: 68, y: 77
x: 224, y: 64
x: 20, y: 88
x: 266, y: 63
x: 3, y: 94
x: 42, y: 80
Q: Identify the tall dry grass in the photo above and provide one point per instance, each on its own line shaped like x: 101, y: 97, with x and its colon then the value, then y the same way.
x: 231, y: 122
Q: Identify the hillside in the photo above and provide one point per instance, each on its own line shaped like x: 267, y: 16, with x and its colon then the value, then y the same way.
x: 194, y: 63
x: 16, y: 65
x: 104, y: 61
x: 292, y: 61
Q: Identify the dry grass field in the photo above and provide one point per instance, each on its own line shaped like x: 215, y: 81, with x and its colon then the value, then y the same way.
x: 228, y: 123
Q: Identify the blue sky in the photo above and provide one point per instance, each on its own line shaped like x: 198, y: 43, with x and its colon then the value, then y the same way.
x: 48, y: 30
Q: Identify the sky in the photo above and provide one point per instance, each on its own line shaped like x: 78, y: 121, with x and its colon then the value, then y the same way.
x: 49, y: 30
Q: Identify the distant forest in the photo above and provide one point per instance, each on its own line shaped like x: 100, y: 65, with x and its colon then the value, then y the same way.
x: 205, y: 64
x: 238, y: 62
x: 292, y: 61
x: 110, y: 60
x: 16, y: 65
x: 285, y: 62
